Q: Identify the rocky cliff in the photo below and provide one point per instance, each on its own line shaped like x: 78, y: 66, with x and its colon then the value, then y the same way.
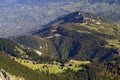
x: 3, y: 75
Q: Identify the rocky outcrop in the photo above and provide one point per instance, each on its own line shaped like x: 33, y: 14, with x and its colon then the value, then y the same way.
x: 3, y: 75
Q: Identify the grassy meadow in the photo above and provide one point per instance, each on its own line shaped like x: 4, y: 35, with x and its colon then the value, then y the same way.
x: 54, y: 67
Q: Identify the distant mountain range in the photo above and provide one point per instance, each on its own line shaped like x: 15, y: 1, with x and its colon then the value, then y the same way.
x: 18, y: 17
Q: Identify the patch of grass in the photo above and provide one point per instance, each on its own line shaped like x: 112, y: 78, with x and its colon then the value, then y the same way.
x: 19, y: 50
x: 104, y: 28
x: 54, y: 67
x: 113, y: 43
x: 80, y: 31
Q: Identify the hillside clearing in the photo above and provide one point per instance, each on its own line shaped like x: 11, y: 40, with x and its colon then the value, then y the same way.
x: 54, y: 67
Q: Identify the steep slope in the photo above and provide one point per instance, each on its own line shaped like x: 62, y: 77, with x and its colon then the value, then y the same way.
x: 10, y: 46
x: 38, y: 44
x: 25, y: 52
x: 82, y: 36
x: 79, y: 35
x: 3, y: 76
x: 14, y: 68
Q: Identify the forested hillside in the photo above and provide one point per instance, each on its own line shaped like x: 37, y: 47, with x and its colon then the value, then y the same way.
x: 78, y: 35
x: 76, y: 46
x: 92, y: 71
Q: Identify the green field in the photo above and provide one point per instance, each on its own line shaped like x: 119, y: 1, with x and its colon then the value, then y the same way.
x: 113, y: 43
x: 54, y: 67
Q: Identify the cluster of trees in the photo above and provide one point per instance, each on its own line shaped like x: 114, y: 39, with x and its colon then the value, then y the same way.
x: 83, y: 46
x: 93, y: 71
x: 14, y: 49
x: 8, y: 46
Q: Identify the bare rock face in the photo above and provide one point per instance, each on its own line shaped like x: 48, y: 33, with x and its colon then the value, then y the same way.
x: 4, y: 76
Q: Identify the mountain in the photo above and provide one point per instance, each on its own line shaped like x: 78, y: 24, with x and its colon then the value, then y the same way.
x: 91, y: 39
x: 19, y: 17
x: 78, y: 35
x: 4, y: 76
x: 17, y: 50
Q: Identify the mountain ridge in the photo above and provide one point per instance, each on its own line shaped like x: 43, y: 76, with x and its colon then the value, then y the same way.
x: 29, y: 15
x: 90, y: 30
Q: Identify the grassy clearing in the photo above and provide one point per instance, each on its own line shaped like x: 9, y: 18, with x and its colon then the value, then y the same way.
x: 54, y: 67
x: 90, y: 26
x: 55, y: 35
x: 80, y: 31
x: 104, y: 28
x: 113, y: 43
x: 19, y: 50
